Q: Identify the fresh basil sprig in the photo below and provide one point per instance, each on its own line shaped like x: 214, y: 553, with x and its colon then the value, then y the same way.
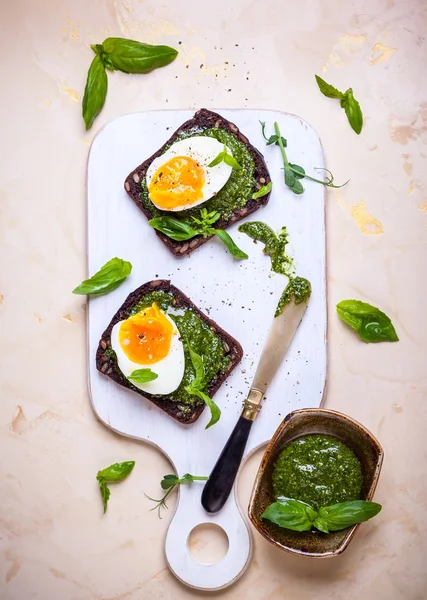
x: 348, y: 103
x: 263, y: 191
x: 95, y: 91
x: 113, y: 473
x: 107, y: 279
x: 227, y: 158
x: 370, y: 322
x: 142, y: 376
x: 293, y: 173
x: 130, y: 56
x: 119, y: 54
x: 195, y: 388
x: 179, y: 230
x: 299, y: 516
x: 169, y: 483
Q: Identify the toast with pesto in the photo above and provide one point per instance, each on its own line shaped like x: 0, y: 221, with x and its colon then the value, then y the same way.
x: 233, y: 201
x: 219, y: 351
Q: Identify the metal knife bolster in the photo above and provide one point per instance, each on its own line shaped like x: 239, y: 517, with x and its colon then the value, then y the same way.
x: 252, y: 404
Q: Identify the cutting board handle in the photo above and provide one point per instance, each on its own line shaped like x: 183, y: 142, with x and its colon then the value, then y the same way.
x: 190, y: 514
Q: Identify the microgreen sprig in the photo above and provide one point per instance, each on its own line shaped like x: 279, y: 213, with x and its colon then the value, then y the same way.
x: 169, y: 483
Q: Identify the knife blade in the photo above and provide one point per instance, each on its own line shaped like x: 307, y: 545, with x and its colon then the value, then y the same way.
x: 288, y: 317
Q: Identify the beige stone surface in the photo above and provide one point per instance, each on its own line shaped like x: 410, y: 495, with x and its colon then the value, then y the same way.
x: 54, y: 542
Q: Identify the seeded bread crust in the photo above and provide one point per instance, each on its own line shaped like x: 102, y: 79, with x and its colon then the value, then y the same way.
x: 107, y: 365
x: 203, y: 119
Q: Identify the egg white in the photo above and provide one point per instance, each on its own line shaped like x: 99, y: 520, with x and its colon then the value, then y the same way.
x: 170, y: 369
x: 203, y: 149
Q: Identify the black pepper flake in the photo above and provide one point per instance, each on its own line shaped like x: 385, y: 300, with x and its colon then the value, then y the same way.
x: 201, y: 66
x: 179, y: 42
x: 229, y: 90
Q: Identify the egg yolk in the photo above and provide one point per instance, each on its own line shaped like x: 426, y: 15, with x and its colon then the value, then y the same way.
x: 178, y: 182
x: 146, y: 337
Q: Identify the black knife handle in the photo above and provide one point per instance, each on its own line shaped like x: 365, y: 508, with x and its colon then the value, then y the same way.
x: 221, y: 480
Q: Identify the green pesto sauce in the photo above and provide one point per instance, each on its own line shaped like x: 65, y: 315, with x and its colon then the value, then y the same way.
x: 275, y: 245
x: 236, y: 192
x: 201, y: 339
x: 298, y: 290
x: 319, y: 470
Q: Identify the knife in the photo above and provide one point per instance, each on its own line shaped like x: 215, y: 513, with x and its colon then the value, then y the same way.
x: 288, y: 316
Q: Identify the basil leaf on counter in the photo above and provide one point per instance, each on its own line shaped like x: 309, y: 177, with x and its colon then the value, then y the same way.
x: 263, y: 191
x: 227, y: 158
x: 130, y: 56
x: 371, y: 323
x: 174, y: 228
x: 327, y: 89
x: 195, y: 387
x: 231, y: 245
x: 142, y: 375
x: 291, y: 514
x: 113, y: 473
x: 107, y: 279
x: 353, y: 111
x: 95, y: 91
x: 345, y: 514
x: 348, y: 103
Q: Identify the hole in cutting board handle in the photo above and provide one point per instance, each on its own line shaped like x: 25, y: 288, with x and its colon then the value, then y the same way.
x: 208, y: 543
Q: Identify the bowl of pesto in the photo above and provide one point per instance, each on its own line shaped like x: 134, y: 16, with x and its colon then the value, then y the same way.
x: 316, y: 482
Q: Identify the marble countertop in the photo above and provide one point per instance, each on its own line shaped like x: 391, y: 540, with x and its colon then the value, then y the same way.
x: 256, y: 54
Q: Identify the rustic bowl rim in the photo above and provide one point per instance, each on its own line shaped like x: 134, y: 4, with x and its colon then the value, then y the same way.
x: 266, y: 457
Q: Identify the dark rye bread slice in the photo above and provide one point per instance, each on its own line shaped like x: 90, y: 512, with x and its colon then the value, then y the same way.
x: 107, y: 364
x: 203, y: 119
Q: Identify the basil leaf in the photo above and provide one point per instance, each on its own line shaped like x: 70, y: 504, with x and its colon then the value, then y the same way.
x: 107, y: 279
x: 353, y: 111
x: 290, y: 514
x: 197, y: 362
x: 298, y: 171
x: 130, y: 56
x: 95, y: 91
x: 105, y: 493
x: 173, y: 228
x: 116, y: 472
x: 169, y: 481
x: 263, y: 191
x: 345, y: 514
x: 327, y: 89
x: 231, y: 245
x: 142, y: 375
x: 217, y: 160
x: 371, y: 323
x: 214, y: 408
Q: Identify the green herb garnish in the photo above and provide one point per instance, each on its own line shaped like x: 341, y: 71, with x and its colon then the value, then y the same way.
x: 179, y: 230
x: 142, y: 376
x: 124, y: 55
x: 169, y: 483
x: 113, y: 473
x: 227, y: 158
x: 370, y: 322
x: 348, y: 103
x: 195, y: 388
x: 107, y: 279
x: 299, y: 516
x: 293, y: 173
x: 263, y: 191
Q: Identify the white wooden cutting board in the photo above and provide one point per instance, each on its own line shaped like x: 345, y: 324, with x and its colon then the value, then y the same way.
x: 240, y: 296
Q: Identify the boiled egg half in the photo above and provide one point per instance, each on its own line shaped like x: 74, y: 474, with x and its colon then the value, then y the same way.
x: 150, y: 339
x: 180, y: 178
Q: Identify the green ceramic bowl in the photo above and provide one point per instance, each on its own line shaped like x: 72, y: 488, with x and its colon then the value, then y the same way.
x: 304, y: 422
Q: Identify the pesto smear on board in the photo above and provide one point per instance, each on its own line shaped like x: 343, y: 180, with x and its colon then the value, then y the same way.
x: 236, y: 193
x: 274, y: 245
x: 201, y: 339
x: 319, y: 470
